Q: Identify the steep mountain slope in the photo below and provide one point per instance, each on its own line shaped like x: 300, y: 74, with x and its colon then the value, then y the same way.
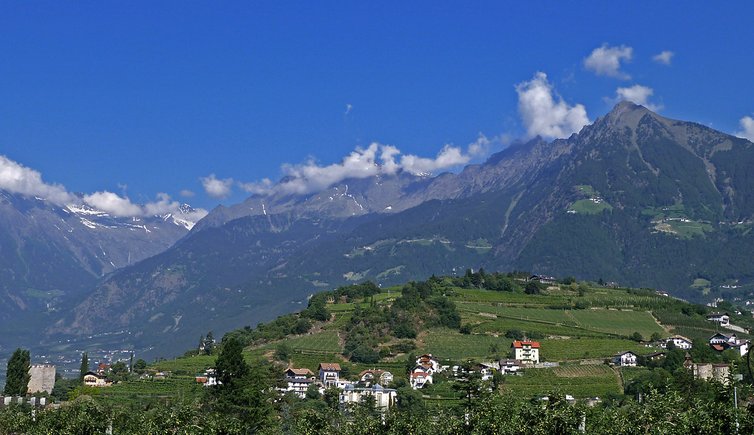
x: 635, y: 198
x: 51, y: 256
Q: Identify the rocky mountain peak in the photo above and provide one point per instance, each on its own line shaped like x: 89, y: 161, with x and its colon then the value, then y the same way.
x: 625, y: 115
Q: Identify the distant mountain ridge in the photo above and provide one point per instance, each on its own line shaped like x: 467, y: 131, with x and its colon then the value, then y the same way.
x: 51, y: 256
x: 635, y: 198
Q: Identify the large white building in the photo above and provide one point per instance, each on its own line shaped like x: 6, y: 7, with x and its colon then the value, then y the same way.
x: 329, y: 374
x: 625, y: 359
x: 298, y: 381
x: 526, y: 351
x: 384, y: 398
x: 680, y: 342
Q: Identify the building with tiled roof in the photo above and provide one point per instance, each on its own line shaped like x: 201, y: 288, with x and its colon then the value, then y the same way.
x: 526, y: 351
x: 329, y: 374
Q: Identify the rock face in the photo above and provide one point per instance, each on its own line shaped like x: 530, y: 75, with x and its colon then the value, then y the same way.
x: 634, y: 198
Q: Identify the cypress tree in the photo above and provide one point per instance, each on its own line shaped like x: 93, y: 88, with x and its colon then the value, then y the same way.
x: 17, y: 377
x: 84, y: 366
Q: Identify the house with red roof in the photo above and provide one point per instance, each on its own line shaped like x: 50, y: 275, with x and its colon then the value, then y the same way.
x: 526, y: 351
x: 419, y: 378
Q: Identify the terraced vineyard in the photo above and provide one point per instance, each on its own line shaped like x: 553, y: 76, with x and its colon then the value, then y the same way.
x: 448, y: 344
x: 173, y: 387
x: 578, y: 381
x: 577, y: 326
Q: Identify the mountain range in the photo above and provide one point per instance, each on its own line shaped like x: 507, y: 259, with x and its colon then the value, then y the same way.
x: 634, y: 198
x: 52, y: 256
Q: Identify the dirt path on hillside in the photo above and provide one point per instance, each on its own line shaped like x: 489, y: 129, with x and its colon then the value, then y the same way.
x: 664, y: 328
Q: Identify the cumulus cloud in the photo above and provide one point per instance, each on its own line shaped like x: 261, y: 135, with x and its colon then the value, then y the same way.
x: 16, y: 178
x: 747, y: 128
x: 165, y: 205
x: 113, y: 203
x: 664, y: 57
x: 606, y: 61
x: 544, y: 113
x: 448, y: 157
x: 637, y: 94
x: 122, y: 206
x: 376, y: 159
x: 257, y: 187
x: 215, y: 187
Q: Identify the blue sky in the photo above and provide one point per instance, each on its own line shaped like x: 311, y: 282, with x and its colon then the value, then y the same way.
x: 138, y: 98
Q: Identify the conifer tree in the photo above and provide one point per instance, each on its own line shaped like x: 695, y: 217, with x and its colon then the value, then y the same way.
x: 84, y: 366
x: 17, y: 376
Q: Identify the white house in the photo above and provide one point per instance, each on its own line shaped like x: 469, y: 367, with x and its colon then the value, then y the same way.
x: 526, y: 351
x: 208, y: 378
x: 625, y: 359
x: 374, y: 376
x: 509, y: 366
x: 298, y: 381
x: 429, y: 363
x: 679, y: 341
x: 722, y: 318
x: 383, y: 398
x: 93, y: 379
x: 543, y: 279
x: 329, y: 374
x: 419, y: 378
x: 721, y: 342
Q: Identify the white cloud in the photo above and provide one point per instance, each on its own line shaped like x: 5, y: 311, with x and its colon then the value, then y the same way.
x: 113, y: 203
x: 664, y: 57
x: 348, y: 109
x: 187, y: 193
x: 448, y: 157
x: 388, y: 155
x: 216, y: 187
x: 606, y: 61
x: 747, y: 128
x: 257, y: 187
x: 122, y: 206
x: 544, y: 113
x: 377, y: 159
x: 310, y: 177
x: 16, y: 178
x: 165, y: 205
x: 638, y: 94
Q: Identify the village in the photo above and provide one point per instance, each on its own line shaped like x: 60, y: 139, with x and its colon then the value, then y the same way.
x: 373, y: 384
x: 381, y: 385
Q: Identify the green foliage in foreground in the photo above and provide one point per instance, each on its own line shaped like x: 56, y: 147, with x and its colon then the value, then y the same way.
x: 660, y: 413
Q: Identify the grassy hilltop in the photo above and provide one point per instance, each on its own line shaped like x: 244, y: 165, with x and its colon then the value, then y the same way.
x: 475, y: 317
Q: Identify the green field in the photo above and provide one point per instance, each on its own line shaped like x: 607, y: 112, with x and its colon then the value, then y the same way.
x: 449, y: 344
x: 188, y: 366
x: 563, y: 322
x: 684, y: 229
x: 142, y: 391
x: 590, y: 206
x: 588, y: 348
x: 578, y: 381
